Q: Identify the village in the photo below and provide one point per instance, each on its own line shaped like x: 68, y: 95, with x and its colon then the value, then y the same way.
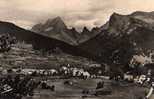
x: 26, y: 73
x: 47, y: 80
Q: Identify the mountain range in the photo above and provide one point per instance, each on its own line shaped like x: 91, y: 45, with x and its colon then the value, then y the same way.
x: 122, y: 37
x: 114, y: 42
x: 56, y: 28
x: 37, y: 40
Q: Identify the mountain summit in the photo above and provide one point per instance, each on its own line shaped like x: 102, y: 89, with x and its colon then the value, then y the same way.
x: 86, y: 34
x: 57, y: 24
x: 56, y: 28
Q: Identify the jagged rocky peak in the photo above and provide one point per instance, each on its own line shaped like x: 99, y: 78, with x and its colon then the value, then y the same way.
x: 118, y: 20
x: 95, y: 29
x: 73, y: 29
x: 56, y: 28
x: 73, y: 33
x: 118, y: 23
x: 56, y: 22
x: 122, y: 23
x: 51, y: 24
x: 85, y: 30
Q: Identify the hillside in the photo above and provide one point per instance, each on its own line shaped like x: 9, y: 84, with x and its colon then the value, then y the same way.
x: 37, y: 40
x: 23, y: 55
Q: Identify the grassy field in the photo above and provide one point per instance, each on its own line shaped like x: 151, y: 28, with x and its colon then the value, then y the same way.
x: 29, y: 58
x: 75, y: 91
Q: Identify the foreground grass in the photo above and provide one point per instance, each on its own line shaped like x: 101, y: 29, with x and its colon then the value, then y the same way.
x: 75, y: 91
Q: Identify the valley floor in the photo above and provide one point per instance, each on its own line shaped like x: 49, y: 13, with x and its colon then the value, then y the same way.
x: 74, y: 91
x: 25, y: 58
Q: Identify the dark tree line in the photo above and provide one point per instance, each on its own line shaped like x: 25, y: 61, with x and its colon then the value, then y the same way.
x: 6, y: 42
x: 20, y: 86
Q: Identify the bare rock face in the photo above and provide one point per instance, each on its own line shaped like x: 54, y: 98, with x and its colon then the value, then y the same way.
x: 118, y: 23
x: 51, y: 24
x: 86, y: 34
x: 56, y: 28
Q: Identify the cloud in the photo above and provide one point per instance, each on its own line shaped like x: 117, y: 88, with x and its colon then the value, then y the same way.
x: 75, y: 13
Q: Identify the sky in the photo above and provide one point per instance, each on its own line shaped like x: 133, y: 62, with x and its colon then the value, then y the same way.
x: 75, y: 13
